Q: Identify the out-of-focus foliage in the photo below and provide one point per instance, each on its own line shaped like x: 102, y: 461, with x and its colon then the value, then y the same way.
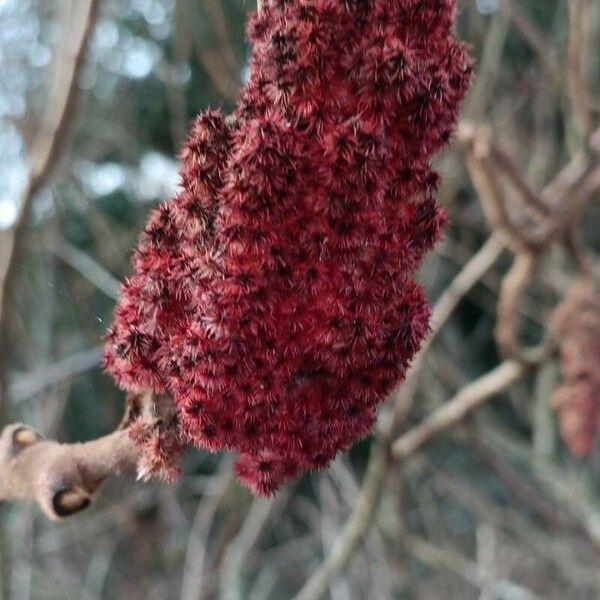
x: 513, y: 518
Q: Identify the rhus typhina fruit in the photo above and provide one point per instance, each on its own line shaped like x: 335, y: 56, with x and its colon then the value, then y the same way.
x: 273, y: 298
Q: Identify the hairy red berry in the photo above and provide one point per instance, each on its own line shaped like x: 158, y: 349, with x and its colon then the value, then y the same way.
x: 273, y: 298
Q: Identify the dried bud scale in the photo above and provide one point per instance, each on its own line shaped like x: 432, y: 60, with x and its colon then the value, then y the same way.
x: 273, y: 298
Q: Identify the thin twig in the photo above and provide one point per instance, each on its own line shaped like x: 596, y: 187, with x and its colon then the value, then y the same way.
x: 514, y: 286
x: 195, y: 555
x: 470, y: 274
x: 240, y: 547
x: 479, y: 151
x: 578, y: 69
x: 447, y: 558
x: 356, y: 526
x: 455, y: 410
x: 507, y: 167
x: 85, y: 265
x: 25, y: 386
x: 217, y: 16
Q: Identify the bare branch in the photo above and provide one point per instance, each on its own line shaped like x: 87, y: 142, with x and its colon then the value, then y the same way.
x: 63, y: 478
x: 27, y: 385
x: 581, y: 164
x: 573, y: 201
x: 470, y: 274
x: 456, y: 409
x: 239, y: 548
x: 218, y: 19
x: 355, y: 528
x: 479, y: 156
x: 47, y: 147
x: 506, y: 167
x: 556, y: 208
x: 514, y: 286
x: 84, y: 264
x: 578, y: 71
x: 216, y: 60
x: 193, y: 584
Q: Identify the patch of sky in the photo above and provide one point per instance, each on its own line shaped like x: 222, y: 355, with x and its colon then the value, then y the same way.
x: 155, y: 178
x: 488, y: 7
x: 13, y: 172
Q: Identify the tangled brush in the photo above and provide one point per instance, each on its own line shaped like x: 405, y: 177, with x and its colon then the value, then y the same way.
x: 576, y: 324
x: 273, y: 298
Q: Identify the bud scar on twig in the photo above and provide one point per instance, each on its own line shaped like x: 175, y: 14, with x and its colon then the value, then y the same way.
x: 63, y: 478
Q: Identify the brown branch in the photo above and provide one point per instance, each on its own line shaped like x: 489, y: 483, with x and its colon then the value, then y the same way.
x: 512, y: 291
x: 63, y: 478
x: 488, y: 68
x: 355, y: 528
x: 573, y: 201
x: 225, y: 83
x: 578, y: 255
x: 475, y: 268
x: 46, y: 150
x: 195, y: 568
x: 216, y: 60
x: 514, y: 177
x: 520, y: 489
x: 175, y: 88
x: 578, y: 68
x: 479, y: 154
x: 455, y: 410
x: 573, y: 172
x: 556, y: 209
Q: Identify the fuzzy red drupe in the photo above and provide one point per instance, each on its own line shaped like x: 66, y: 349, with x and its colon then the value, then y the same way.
x: 273, y: 298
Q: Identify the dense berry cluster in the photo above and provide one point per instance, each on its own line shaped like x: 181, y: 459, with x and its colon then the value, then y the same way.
x: 576, y: 324
x: 273, y: 297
